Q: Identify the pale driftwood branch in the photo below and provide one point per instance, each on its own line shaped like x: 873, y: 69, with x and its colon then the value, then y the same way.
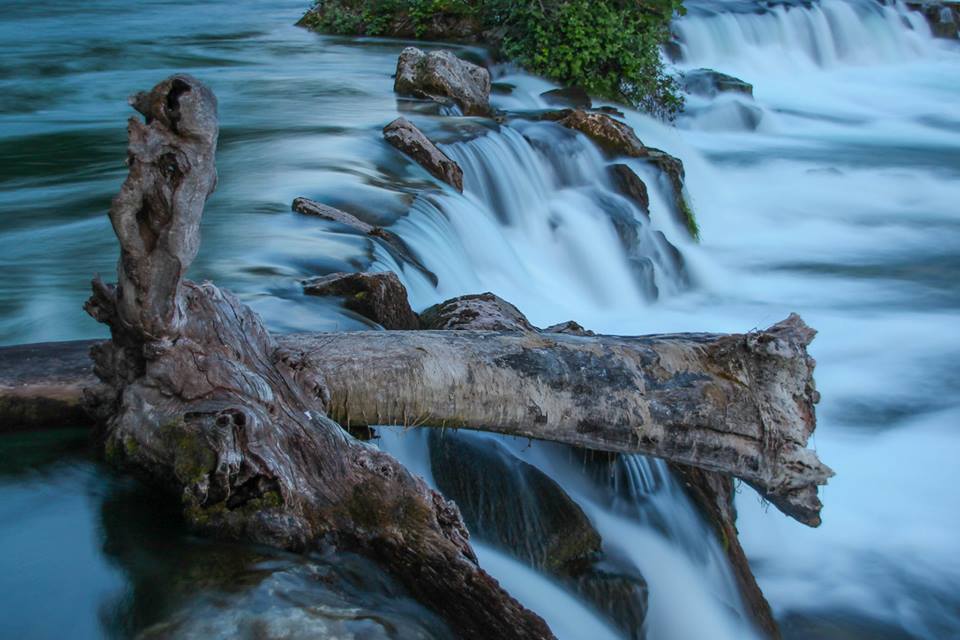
x: 739, y: 404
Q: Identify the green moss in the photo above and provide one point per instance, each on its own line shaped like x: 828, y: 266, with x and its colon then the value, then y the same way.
x: 689, y: 219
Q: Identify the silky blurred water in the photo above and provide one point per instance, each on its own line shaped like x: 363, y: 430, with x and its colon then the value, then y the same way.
x: 833, y: 193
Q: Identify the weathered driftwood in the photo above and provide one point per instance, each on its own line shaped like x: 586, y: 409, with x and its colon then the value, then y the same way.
x: 203, y: 401
x: 387, y: 239
x: 739, y: 404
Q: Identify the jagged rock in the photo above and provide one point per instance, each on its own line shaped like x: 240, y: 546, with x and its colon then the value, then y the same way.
x: 442, y: 76
x: 622, y: 597
x: 708, y: 83
x: 389, y: 240
x: 483, y: 311
x: 513, y: 504
x: 943, y: 17
x: 573, y: 97
x: 630, y: 185
x: 402, y: 134
x: 570, y: 327
x: 379, y: 297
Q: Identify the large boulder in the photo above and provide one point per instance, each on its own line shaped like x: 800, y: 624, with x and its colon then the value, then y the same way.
x: 708, y: 83
x: 442, y: 76
x: 379, y: 297
x: 483, y: 311
x: 402, y: 134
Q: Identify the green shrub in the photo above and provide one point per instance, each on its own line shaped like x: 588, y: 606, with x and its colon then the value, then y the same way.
x: 610, y: 48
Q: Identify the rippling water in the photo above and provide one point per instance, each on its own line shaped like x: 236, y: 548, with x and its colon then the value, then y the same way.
x: 833, y: 194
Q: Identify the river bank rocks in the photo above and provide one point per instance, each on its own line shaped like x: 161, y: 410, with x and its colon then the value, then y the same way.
x: 943, y: 17
x: 445, y: 78
x: 380, y: 297
x: 407, y: 138
x: 708, y: 83
x: 630, y: 185
x: 390, y: 241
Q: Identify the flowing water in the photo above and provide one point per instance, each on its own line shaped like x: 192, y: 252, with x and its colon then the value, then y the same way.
x: 832, y: 193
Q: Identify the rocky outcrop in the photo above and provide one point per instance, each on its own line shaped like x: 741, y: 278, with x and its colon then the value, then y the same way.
x: 483, y: 311
x: 708, y: 83
x: 379, y: 297
x: 403, y: 135
x: 943, y: 17
x: 442, y: 76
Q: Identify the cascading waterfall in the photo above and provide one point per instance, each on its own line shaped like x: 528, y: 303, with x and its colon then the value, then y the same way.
x: 819, y: 35
x: 540, y: 221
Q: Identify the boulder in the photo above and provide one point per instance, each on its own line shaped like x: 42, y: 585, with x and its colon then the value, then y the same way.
x: 708, y: 83
x: 402, y: 134
x: 379, y: 297
x: 442, y: 76
x: 483, y: 311
x: 387, y: 239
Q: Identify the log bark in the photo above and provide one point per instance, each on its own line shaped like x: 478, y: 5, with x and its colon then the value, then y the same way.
x: 741, y: 404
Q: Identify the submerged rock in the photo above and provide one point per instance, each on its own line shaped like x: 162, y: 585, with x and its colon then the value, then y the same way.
x: 708, y: 83
x: 483, y: 311
x: 379, y: 297
x: 403, y: 135
x: 513, y: 504
x: 442, y: 76
x: 573, y: 97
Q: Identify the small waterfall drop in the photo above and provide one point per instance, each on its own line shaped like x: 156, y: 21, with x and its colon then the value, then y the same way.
x: 540, y: 221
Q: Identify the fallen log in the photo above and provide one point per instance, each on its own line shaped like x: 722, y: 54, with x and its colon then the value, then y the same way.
x: 740, y: 404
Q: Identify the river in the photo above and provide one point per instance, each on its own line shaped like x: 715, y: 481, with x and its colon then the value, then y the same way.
x: 832, y: 193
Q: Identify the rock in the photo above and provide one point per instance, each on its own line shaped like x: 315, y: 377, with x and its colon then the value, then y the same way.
x: 708, y: 83
x: 402, y: 134
x: 569, y: 327
x: 513, y: 504
x: 623, y: 598
x: 483, y: 311
x: 389, y: 240
x: 943, y: 17
x: 380, y: 297
x: 442, y: 76
x: 630, y: 185
x: 573, y: 97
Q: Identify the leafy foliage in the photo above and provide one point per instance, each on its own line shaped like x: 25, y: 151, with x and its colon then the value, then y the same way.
x: 608, y: 47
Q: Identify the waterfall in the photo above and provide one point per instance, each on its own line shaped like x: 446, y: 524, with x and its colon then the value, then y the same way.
x: 818, y: 35
x: 539, y: 222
